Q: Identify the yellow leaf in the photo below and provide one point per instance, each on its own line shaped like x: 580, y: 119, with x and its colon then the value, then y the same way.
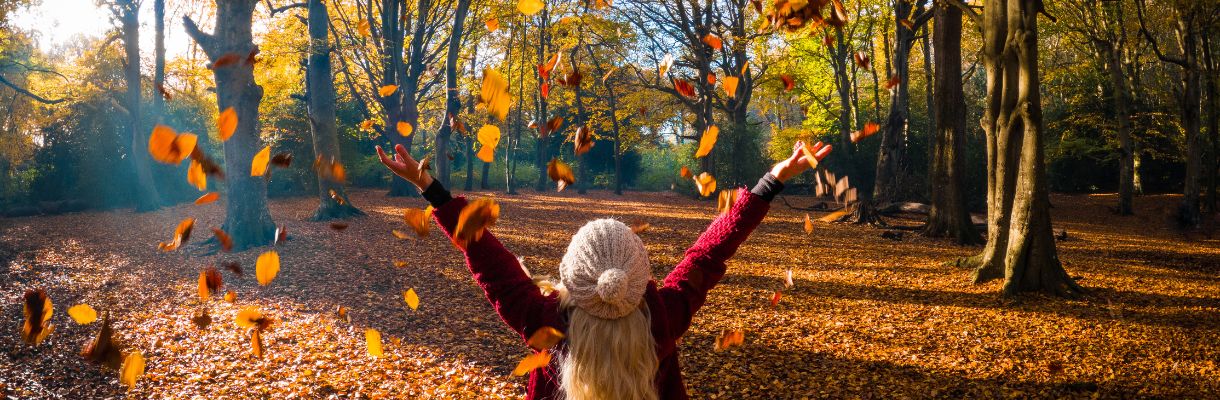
x: 493, y: 95
x: 258, y: 166
x: 266, y: 267
x: 196, y: 177
x: 532, y: 362
x: 544, y: 338
x: 226, y: 124
x: 706, y: 184
x: 492, y: 24
x: 167, y: 146
x: 83, y: 314
x: 729, y: 84
x: 489, y: 137
x: 387, y: 90
x: 250, y: 317
x: 707, y: 141
x: 530, y: 7
x: 373, y: 338
x: 405, y: 129
x: 133, y: 367
x: 363, y: 28
x: 411, y: 298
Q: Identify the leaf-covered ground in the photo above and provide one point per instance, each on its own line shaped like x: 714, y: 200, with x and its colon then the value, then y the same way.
x: 868, y: 317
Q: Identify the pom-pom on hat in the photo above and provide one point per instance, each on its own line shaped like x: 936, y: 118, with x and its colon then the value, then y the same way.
x: 606, y: 270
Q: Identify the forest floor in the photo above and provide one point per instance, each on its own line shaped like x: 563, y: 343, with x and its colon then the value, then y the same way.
x: 868, y: 317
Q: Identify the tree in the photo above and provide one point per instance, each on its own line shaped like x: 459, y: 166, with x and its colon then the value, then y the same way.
x: 147, y: 197
x: 1188, y: 18
x: 892, y: 168
x: 453, y: 104
x: 948, y: 215
x: 247, y: 219
x: 320, y: 100
x: 1020, y: 243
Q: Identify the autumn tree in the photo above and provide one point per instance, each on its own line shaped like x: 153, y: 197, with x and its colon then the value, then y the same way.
x: 247, y: 219
x: 948, y: 216
x: 453, y: 103
x: 892, y: 164
x: 1020, y: 243
x: 128, y: 14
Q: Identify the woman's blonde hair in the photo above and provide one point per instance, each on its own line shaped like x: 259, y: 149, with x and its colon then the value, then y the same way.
x: 607, y: 358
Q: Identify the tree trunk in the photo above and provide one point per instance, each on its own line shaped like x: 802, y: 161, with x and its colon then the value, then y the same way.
x: 320, y: 98
x: 1021, y: 245
x: 948, y: 216
x: 146, y: 196
x: 1126, y: 162
x: 540, y: 107
x: 453, y: 104
x: 862, y: 210
x: 929, y: 78
x: 158, y: 60
x: 1188, y: 212
x: 247, y: 219
x: 510, y: 159
x: 892, y: 162
x: 1213, y: 121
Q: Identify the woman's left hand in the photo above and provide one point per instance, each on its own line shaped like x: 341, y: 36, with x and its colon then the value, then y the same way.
x: 799, y: 162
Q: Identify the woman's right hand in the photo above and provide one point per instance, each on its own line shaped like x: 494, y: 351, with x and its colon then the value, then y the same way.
x: 406, y: 167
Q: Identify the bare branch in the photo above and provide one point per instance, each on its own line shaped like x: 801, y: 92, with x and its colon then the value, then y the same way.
x: 27, y: 93
x: 276, y: 10
x: 206, y: 41
x: 1156, y: 48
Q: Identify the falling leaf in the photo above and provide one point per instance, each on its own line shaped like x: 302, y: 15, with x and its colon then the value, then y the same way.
x: 725, y: 200
x: 862, y: 59
x: 706, y: 184
x: 103, y: 350
x: 685, y: 172
x: 226, y: 123
x: 169, y: 147
x: 373, y: 339
x: 209, y: 166
x: 207, y: 198
x: 707, y: 141
x: 133, y: 368
x: 195, y: 176
x: 583, y: 140
x: 330, y: 170
x: 209, y: 281
x: 282, y: 159
x: 281, y: 236
x: 544, y: 338
x: 341, y: 311
x: 834, y: 216
x: 775, y: 299
x: 729, y: 338
x: 729, y: 84
x: 225, y: 60
x: 530, y: 7
x: 532, y: 362
x: 666, y: 63
x: 202, y: 320
x: 258, y: 166
x: 572, y: 79
x: 868, y: 130
x: 364, y: 28
x: 83, y: 314
x: 494, y: 95
x: 713, y: 41
x: 559, y: 172
x: 338, y: 226
x: 492, y: 24
x: 230, y: 296
x: 182, y: 233
x: 711, y: 78
x: 204, y: 293
x: 256, y: 342
x: 684, y: 88
x: 226, y: 243
x: 838, y: 15
x: 907, y: 23
x: 788, y: 284
x: 367, y: 125
x: 489, y: 137
x: 387, y: 90
x: 894, y: 81
x: 808, y: 228
x: 411, y: 298
x: 606, y: 77
x: 251, y: 317
x: 267, y: 266
x: 788, y: 82
x: 815, y: 153
x: 639, y: 227
x: 418, y: 219
x: 164, y: 92
x: 474, y: 218
x: 400, y: 234
x: 233, y: 267
x: 405, y: 129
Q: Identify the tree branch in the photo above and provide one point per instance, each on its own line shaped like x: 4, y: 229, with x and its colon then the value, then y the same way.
x: 968, y: 11
x: 27, y: 93
x: 276, y: 10
x: 206, y: 41
x: 1156, y: 48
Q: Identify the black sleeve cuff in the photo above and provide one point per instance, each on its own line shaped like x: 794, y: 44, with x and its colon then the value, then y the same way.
x: 767, y: 187
x: 436, y: 194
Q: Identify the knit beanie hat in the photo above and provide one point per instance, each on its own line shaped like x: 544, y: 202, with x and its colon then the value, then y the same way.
x: 605, y: 270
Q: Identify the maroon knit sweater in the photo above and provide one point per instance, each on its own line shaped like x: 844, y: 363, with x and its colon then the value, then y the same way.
x: 672, y: 305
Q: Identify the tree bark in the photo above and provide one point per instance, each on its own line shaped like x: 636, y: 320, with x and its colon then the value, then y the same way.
x: 540, y: 107
x: 1021, y: 245
x: 158, y: 100
x: 892, y: 164
x: 948, y: 216
x: 247, y: 219
x: 320, y: 101
x: 147, y: 198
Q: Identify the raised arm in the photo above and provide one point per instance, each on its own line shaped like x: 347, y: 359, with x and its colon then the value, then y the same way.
x: 685, y: 288
x: 496, y: 270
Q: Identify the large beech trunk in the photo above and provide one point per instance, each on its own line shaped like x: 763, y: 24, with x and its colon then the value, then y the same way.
x: 147, y: 197
x: 247, y: 219
x: 948, y: 216
x: 1020, y: 243
x: 320, y: 94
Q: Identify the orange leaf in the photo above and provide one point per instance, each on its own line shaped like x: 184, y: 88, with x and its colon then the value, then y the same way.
x: 707, y: 141
x: 544, y: 338
x: 207, y: 198
x: 267, y: 266
x: 169, y: 147
x: 181, y: 234
x: 474, y: 218
x: 808, y: 228
x: 685, y: 172
x: 713, y: 41
x: 729, y: 338
x: 725, y: 200
x: 405, y: 129
x: 583, y: 140
x: 706, y: 184
x: 530, y: 7
x: 37, y: 309
x: 373, y: 339
x: 788, y: 82
x: 196, y: 177
x: 893, y: 82
x: 775, y: 299
x: 729, y: 84
x: 559, y: 172
x: 418, y: 219
x: 492, y: 24
x: 258, y: 166
x: 862, y: 59
x: 532, y: 362
x: 868, y: 130
x: 494, y: 95
x: 226, y: 123
x: 666, y: 63
x: 411, y: 298
x: 387, y: 90
x: 226, y: 243
x: 684, y: 88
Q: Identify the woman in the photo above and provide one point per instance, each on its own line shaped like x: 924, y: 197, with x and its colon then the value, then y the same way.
x: 621, y: 327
